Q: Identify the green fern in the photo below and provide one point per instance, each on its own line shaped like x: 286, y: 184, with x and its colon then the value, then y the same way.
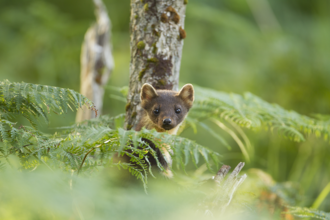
x: 32, y: 100
x: 119, y: 141
x: 84, y: 149
x: 308, y: 213
x: 252, y: 112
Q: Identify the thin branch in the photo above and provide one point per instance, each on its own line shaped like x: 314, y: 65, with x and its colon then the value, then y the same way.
x: 226, y: 191
x: 83, y: 161
x: 235, y: 172
x: 221, y: 174
x: 237, y: 183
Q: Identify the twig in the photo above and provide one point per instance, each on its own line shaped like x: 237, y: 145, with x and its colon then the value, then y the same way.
x: 225, y: 190
x: 237, y: 183
x: 234, y: 174
x: 221, y: 174
x: 83, y: 161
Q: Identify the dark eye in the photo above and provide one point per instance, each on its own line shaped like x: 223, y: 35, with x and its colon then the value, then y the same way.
x: 156, y: 111
x: 178, y: 110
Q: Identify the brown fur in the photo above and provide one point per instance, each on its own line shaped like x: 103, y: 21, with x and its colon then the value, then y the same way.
x: 167, y: 102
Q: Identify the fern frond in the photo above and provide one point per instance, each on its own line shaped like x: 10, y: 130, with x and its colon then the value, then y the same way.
x: 102, y: 121
x: 252, y: 112
x: 183, y: 149
x: 2, y: 166
x: 6, y: 130
x: 87, y: 146
x: 308, y: 213
x: 138, y: 173
x: 32, y: 100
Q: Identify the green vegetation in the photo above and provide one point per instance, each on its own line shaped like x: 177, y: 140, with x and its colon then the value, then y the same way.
x: 228, y: 52
x: 153, y: 60
x: 72, y: 148
x: 141, y: 45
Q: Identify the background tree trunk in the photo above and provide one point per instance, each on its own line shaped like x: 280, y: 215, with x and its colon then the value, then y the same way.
x: 96, y: 62
x: 157, y: 33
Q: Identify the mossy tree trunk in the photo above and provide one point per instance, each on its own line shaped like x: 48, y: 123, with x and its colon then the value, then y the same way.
x: 157, y: 33
x: 96, y: 62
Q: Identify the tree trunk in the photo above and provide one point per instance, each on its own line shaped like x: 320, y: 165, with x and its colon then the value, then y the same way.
x: 96, y: 62
x: 157, y: 33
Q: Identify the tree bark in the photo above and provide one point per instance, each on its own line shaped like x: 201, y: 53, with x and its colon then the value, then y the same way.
x: 96, y: 62
x: 157, y: 33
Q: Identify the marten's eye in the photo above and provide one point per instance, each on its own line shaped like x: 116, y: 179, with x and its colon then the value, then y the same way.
x: 178, y: 110
x: 156, y: 111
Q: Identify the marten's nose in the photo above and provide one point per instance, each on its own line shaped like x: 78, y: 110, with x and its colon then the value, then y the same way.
x: 167, y: 121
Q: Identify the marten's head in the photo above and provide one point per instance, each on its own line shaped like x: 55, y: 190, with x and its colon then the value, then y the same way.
x: 167, y: 108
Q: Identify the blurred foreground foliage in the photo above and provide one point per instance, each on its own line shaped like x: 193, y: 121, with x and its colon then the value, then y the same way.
x: 46, y: 195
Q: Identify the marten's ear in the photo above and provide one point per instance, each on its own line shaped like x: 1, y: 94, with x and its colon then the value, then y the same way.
x: 148, y: 92
x: 187, y: 94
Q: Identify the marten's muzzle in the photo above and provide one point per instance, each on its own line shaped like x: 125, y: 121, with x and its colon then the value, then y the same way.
x: 167, y: 124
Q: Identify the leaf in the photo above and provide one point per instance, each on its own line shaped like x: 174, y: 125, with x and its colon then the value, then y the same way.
x: 252, y: 112
x: 308, y: 213
x: 123, y: 138
x: 33, y: 100
x: 214, y: 134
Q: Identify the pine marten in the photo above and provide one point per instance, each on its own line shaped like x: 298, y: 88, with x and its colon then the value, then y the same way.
x: 164, y: 110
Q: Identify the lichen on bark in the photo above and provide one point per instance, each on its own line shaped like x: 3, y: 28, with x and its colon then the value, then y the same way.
x: 159, y: 62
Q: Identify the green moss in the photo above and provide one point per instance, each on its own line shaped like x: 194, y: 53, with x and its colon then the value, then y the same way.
x: 154, y: 48
x: 141, y: 73
x: 141, y: 45
x: 146, y: 7
x: 136, y: 16
x: 128, y: 106
x: 154, y: 30
x: 162, y: 82
x: 185, y: 2
x: 156, y: 33
x: 133, y: 114
x: 141, y: 1
x: 153, y: 60
x: 129, y: 127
